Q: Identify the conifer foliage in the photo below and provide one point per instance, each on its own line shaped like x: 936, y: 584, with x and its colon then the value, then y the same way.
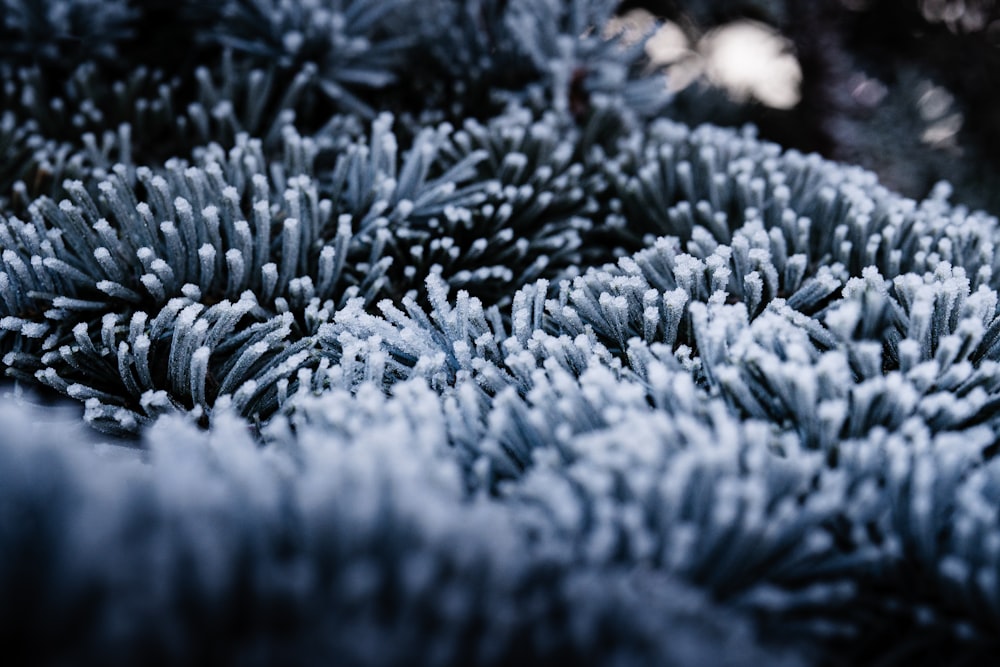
x: 416, y: 333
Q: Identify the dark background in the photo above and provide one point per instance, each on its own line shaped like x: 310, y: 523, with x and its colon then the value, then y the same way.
x: 903, y: 48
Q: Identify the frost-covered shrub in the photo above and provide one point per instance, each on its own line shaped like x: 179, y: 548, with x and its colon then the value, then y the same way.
x: 351, y: 539
x: 430, y: 343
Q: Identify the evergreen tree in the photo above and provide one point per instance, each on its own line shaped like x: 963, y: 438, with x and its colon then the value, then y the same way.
x: 436, y: 332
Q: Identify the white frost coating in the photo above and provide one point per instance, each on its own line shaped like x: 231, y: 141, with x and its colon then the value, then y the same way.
x: 571, y: 364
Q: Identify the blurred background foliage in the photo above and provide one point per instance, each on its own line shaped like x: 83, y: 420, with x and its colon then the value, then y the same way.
x: 907, y: 88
